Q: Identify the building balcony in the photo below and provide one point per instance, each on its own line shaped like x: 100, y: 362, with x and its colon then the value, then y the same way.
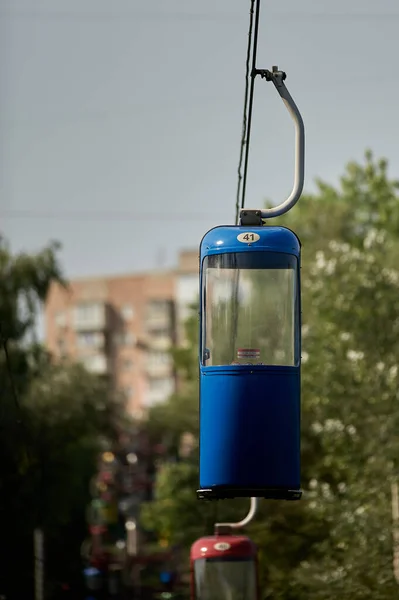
x: 90, y: 316
x: 95, y: 363
x: 159, y: 315
x: 88, y: 342
x: 161, y: 343
x: 156, y: 322
x: 160, y: 390
x: 155, y: 370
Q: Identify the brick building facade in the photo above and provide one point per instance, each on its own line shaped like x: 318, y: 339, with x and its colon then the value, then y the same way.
x: 123, y: 326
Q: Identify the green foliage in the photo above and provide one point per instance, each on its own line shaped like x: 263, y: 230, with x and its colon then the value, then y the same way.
x: 24, y: 283
x: 186, y: 356
x: 337, y: 541
x: 67, y: 409
x: 51, y: 419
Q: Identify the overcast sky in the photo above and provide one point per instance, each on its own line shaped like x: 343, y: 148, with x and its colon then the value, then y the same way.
x: 113, y: 110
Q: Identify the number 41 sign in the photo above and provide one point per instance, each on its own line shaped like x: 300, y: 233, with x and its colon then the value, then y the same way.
x: 248, y: 237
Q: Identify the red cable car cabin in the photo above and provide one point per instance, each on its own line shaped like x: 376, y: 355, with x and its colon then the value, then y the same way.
x: 224, y: 567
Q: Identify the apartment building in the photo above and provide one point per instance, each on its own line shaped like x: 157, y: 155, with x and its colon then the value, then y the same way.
x: 187, y: 288
x: 123, y: 327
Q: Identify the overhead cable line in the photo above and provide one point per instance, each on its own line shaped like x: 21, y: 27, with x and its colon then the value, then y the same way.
x: 248, y: 104
x: 162, y: 16
x: 245, y: 120
x: 79, y: 215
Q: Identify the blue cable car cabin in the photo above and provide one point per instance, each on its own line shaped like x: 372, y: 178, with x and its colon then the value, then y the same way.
x: 250, y: 352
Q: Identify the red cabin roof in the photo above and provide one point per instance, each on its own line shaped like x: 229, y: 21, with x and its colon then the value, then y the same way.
x: 223, y: 545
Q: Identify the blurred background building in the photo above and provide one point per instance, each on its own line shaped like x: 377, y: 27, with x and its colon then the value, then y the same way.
x: 122, y: 327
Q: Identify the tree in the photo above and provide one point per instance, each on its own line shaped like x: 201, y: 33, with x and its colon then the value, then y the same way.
x: 336, y: 542
x: 52, y: 417
x: 350, y: 378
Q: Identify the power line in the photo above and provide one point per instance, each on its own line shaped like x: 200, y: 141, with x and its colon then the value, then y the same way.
x: 52, y: 15
x: 81, y: 215
x: 188, y: 16
x: 327, y: 81
x: 335, y: 15
x: 244, y: 119
x: 248, y: 104
x: 251, y: 101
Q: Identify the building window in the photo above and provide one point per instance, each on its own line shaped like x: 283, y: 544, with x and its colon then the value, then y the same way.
x: 159, y: 390
x: 95, y: 364
x: 89, y: 339
x: 158, y: 359
x: 159, y: 307
x: 127, y: 312
x: 125, y: 339
x: 89, y: 313
x: 160, y: 340
x: 158, y: 312
x: 161, y: 332
x: 60, y: 318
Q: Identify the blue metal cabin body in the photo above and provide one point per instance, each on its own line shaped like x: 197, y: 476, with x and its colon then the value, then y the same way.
x: 249, y: 413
